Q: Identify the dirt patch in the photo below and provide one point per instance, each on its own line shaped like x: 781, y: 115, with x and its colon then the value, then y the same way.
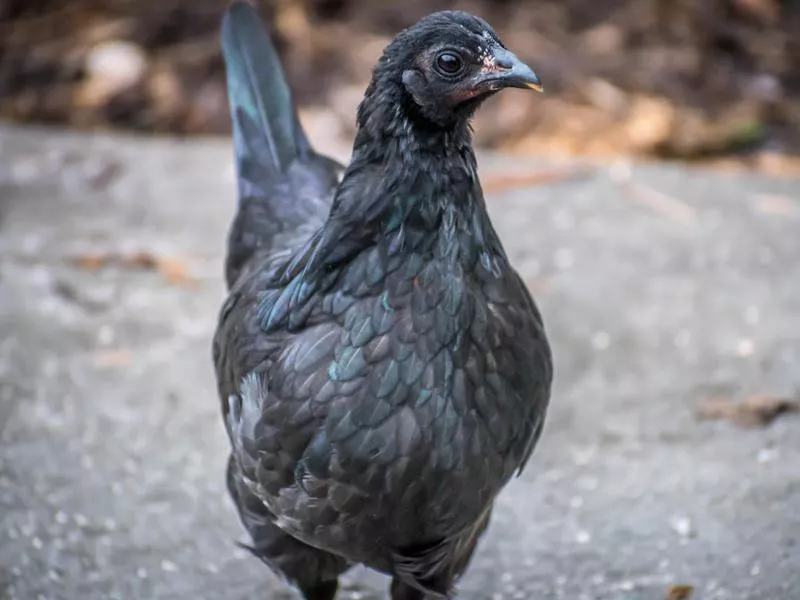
x: 688, y: 79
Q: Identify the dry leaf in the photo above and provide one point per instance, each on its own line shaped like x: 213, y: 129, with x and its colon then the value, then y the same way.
x: 90, y: 262
x: 756, y: 411
x: 141, y: 259
x: 680, y: 592
x: 113, y: 358
x: 173, y: 270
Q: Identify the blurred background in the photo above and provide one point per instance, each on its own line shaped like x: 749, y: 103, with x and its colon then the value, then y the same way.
x: 669, y: 465
x: 710, y: 80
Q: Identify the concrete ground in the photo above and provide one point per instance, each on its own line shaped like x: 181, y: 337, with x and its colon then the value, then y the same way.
x: 660, y: 285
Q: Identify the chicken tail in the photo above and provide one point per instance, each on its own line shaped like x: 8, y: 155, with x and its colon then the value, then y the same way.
x: 267, y: 133
x: 285, y: 187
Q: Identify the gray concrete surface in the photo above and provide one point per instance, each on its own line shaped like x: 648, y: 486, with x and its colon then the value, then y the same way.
x: 660, y: 286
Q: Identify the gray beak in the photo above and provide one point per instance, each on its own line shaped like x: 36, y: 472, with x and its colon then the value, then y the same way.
x: 505, y: 70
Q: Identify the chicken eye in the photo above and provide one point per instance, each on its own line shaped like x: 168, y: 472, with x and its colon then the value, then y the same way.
x: 449, y: 63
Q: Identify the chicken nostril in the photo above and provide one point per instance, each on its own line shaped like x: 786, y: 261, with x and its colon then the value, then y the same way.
x: 504, y: 63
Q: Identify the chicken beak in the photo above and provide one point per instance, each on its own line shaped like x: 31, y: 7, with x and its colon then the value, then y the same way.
x: 505, y: 70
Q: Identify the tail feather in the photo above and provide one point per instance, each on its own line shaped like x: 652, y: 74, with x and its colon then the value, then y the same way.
x: 285, y: 187
x: 267, y: 133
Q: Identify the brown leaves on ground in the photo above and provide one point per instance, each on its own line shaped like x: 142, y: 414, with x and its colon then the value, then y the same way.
x: 679, y: 592
x: 174, y: 270
x: 648, y: 77
x: 756, y: 411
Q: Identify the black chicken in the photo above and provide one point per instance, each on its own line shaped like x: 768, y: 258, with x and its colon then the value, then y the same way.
x: 382, y: 368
